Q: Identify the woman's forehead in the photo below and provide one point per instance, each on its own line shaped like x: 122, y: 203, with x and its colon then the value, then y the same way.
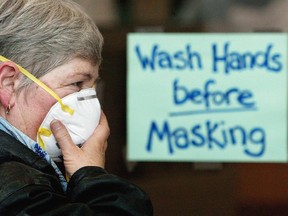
x: 77, y: 67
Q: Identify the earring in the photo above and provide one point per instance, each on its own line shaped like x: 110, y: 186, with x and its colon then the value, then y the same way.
x: 8, y: 109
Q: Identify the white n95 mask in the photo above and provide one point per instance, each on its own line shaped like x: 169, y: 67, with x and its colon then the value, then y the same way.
x: 80, y: 124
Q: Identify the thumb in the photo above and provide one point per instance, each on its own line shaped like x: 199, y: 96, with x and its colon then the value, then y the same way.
x: 61, y: 135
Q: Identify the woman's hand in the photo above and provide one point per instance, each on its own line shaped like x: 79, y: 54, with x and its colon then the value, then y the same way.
x: 92, y: 153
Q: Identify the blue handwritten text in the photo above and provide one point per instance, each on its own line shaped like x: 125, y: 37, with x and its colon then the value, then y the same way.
x: 232, y: 60
x: 162, y: 59
x: 210, y: 135
x: 208, y: 96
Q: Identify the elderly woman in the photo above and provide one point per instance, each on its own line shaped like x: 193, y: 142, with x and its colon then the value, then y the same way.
x: 50, y: 52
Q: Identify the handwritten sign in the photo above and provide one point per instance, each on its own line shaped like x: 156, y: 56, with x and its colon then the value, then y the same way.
x: 207, y: 97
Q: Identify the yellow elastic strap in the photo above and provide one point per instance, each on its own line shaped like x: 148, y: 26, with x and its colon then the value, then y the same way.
x: 67, y: 177
x: 64, y: 107
x: 43, y: 132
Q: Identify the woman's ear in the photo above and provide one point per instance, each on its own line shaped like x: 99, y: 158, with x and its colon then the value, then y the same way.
x: 9, y: 73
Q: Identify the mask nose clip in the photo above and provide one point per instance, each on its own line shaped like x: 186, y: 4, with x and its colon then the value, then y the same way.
x: 86, y: 97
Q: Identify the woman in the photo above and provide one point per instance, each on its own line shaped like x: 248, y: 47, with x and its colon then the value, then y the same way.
x: 50, y: 52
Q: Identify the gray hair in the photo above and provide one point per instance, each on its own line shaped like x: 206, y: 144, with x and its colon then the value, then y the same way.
x: 40, y: 35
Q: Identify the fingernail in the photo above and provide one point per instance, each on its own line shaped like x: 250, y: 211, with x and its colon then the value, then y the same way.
x: 55, y: 125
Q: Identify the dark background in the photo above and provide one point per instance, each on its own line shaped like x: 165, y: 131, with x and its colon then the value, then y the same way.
x: 200, y: 189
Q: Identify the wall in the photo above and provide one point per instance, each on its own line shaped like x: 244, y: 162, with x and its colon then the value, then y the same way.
x: 178, y: 188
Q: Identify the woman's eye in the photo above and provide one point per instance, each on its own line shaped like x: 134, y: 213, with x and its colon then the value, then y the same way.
x: 78, y: 84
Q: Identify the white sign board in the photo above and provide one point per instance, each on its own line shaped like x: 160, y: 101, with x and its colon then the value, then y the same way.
x: 207, y: 97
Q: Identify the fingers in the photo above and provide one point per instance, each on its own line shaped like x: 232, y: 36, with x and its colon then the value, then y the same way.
x: 92, y: 153
x: 69, y: 150
x: 103, y: 130
x: 98, y: 140
x: 61, y: 135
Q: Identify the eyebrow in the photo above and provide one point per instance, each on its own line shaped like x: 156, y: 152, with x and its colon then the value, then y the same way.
x: 86, y: 75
